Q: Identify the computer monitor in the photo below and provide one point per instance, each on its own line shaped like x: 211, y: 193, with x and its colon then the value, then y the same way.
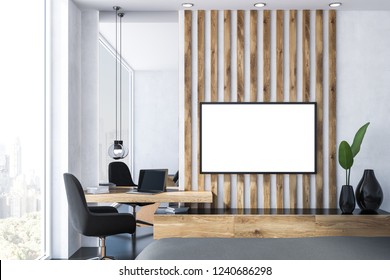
x: 152, y: 179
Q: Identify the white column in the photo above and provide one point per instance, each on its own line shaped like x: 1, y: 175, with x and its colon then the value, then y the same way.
x: 90, y: 98
x: 58, y: 138
x: 89, y: 153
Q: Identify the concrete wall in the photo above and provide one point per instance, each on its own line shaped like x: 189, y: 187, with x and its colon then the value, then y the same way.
x: 74, y: 111
x: 363, y: 92
x: 156, y: 120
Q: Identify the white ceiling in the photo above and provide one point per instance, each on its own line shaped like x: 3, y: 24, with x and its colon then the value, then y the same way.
x: 174, y: 5
x: 150, y: 29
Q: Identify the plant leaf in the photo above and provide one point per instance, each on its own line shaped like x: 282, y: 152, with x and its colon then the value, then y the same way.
x: 345, y: 155
x: 357, y: 141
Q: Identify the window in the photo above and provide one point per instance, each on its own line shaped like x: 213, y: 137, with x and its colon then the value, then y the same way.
x: 22, y: 126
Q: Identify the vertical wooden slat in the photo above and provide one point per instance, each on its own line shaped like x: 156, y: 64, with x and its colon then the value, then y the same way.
x: 320, y: 104
x: 253, y: 92
x: 188, y: 99
x: 240, y: 56
x: 240, y: 93
x: 227, y: 92
x: 201, y: 82
x: 279, y: 90
x: 293, y: 93
x: 306, y: 92
x: 214, y: 85
x: 267, y: 91
x: 332, y: 110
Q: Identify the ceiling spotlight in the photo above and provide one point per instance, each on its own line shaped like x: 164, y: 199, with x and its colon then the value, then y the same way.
x: 187, y: 5
x: 260, y: 5
x: 335, y: 5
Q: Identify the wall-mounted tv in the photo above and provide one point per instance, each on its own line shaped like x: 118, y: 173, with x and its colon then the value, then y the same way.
x: 275, y: 138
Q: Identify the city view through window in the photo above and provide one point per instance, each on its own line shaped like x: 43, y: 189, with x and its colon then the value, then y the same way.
x: 22, y: 135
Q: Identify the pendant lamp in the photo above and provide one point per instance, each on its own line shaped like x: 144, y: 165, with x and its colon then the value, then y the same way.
x: 117, y: 150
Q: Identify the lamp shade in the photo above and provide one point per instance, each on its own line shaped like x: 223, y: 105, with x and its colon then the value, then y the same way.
x: 117, y: 150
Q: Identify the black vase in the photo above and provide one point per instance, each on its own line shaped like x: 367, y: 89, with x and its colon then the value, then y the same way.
x: 369, y: 195
x: 347, y: 199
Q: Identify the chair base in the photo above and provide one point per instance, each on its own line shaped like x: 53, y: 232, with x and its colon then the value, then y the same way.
x: 107, y: 258
x: 103, y: 255
x: 102, y: 258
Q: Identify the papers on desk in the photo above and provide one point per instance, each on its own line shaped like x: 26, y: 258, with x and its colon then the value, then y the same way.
x: 172, y: 210
x: 137, y: 192
x: 110, y: 185
x: 98, y: 189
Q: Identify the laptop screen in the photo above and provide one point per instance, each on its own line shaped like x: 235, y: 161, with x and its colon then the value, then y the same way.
x: 152, y: 179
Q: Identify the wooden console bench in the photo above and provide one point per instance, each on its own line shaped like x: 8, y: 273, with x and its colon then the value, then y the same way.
x: 270, y: 223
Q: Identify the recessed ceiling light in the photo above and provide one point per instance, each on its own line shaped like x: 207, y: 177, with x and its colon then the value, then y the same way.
x: 260, y: 5
x: 187, y: 5
x: 335, y: 4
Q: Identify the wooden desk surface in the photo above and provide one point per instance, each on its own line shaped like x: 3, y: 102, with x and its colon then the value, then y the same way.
x: 277, y: 212
x: 119, y: 195
x: 270, y: 223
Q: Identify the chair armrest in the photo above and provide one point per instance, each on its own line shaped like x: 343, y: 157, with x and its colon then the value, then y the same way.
x: 102, y: 209
x: 104, y: 224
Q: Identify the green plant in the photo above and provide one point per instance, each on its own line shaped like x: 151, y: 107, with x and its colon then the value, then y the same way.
x: 347, y: 153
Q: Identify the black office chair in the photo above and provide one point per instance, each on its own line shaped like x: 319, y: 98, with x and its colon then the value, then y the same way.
x: 98, y: 221
x: 119, y: 174
x: 176, y: 178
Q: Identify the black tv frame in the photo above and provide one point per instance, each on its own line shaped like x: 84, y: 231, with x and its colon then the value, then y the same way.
x: 201, y: 171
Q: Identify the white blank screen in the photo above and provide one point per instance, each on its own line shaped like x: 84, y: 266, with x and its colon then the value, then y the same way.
x: 258, y: 137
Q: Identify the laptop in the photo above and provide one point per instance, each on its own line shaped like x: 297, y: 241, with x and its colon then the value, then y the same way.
x: 151, y: 181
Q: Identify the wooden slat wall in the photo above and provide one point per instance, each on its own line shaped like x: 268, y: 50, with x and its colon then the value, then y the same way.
x: 279, y: 90
x: 320, y: 110
x: 263, y: 90
x: 201, y: 82
x: 332, y: 109
x: 253, y: 93
x: 293, y: 94
x: 240, y: 92
x: 267, y: 92
x: 188, y: 100
x: 306, y: 91
x: 227, y: 94
x: 214, y: 85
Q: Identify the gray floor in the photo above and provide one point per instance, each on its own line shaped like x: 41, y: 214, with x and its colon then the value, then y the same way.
x: 306, y: 248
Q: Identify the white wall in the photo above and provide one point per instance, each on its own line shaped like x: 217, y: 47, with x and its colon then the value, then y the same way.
x: 89, y: 96
x: 83, y: 106
x: 74, y: 108
x: 74, y: 118
x: 363, y: 92
x: 147, y: 44
x: 89, y: 103
x: 150, y: 47
x: 107, y: 108
x: 156, y: 120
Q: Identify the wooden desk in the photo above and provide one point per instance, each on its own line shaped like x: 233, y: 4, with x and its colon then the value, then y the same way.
x: 119, y: 195
x: 259, y: 223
